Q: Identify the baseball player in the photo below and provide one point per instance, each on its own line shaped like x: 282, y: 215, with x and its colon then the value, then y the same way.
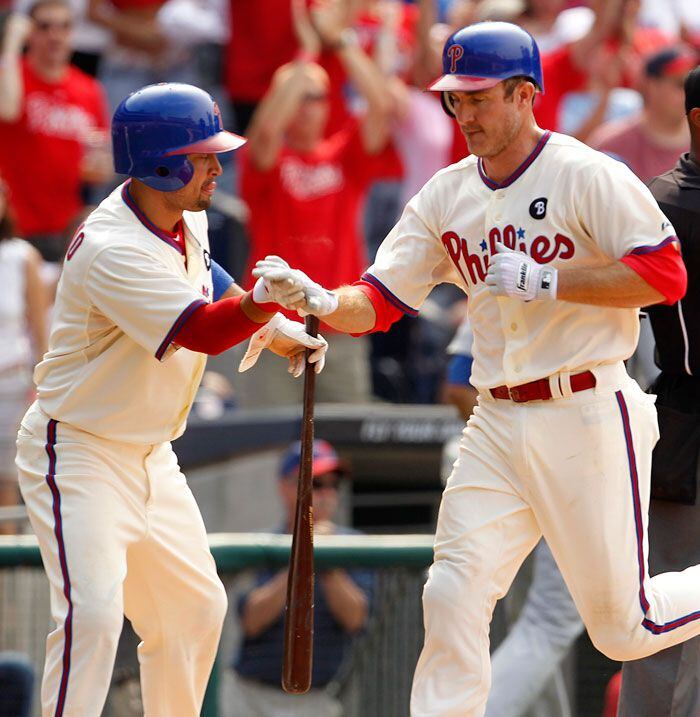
x: 556, y: 247
x: 118, y: 528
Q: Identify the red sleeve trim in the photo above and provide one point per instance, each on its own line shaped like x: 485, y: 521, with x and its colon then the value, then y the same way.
x: 661, y: 268
x: 386, y: 312
x: 213, y: 328
x: 368, y: 278
x: 177, y: 326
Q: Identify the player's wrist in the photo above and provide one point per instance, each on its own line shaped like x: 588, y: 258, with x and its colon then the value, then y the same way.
x: 260, y: 295
x: 547, y: 283
x: 257, y: 304
x: 320, y: 301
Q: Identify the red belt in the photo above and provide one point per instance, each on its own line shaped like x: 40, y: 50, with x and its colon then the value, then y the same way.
x: 540, y: 391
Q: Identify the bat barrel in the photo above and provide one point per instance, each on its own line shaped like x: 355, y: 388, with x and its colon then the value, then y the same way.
x: 299, y: 610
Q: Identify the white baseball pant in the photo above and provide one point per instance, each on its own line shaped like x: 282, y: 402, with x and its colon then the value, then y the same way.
x: 576, y: 470
x: 119, y: 533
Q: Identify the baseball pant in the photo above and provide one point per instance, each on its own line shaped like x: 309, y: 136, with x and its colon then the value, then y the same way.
x: 667, y: 683
x: 535, y: 646
x: 119, y: 533
x: 576, y: 470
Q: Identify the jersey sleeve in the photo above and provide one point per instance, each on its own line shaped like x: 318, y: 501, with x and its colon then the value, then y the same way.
x: 621, y: 215
x: 411, y: 260
x: 142, y: 296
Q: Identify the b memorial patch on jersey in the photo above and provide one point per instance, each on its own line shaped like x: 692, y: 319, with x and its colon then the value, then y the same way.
x: 538, y: 208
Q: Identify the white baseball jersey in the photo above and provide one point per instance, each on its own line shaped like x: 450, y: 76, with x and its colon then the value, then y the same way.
x: 568, y: 206
x: 112, y: 368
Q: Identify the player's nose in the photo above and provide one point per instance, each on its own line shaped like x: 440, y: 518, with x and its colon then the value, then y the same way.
x: 464, y: 114
x: 214, y: 165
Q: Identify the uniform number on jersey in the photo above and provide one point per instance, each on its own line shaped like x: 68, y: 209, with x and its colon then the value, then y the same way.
x: 538, y: 208
x: 74, y: 245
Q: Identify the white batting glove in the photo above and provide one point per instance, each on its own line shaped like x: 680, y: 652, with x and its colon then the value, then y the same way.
x: 292, y: 288
x: 512, y: 273
x: 287, y: 339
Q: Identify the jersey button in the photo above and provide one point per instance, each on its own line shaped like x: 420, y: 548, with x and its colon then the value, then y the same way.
x: 517, y: 369
x: 513, y: 327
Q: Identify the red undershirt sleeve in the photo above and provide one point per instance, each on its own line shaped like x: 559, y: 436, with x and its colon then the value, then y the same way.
x: 662, y: 269
x: 387, y: 313
x: 213, y: 328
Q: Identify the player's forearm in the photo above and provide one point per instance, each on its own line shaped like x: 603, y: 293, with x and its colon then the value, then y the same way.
x: 264, y: 605
x: 214, y: 328
x: 614, y: 285
x: 345, y: 599
x: 355, y: 313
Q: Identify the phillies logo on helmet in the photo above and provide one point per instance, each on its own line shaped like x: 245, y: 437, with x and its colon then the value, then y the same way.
x: 455, y: 53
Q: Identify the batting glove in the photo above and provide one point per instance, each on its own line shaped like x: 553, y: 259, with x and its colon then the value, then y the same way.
x: 292, y: 288
x: 288, y: 339
x: 512, y: 273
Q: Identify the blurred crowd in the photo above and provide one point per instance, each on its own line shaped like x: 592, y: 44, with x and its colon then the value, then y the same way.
x: 330, y: 94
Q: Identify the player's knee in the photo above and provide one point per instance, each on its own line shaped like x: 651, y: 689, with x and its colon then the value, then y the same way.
x: 218, y: 606
x: 446, y: 585
x: 207, y: 616
x: 617, y: 643
x: 102, y: 622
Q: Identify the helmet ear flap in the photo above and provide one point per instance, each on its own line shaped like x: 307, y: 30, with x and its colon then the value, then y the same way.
x: 446, y: 105
x: 166, y: 174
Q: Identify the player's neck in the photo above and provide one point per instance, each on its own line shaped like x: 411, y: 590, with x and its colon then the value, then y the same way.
x: 502, y: 165
x: 151, y: 203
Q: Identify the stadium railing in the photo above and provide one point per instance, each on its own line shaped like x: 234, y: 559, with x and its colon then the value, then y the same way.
x: 374, y: 682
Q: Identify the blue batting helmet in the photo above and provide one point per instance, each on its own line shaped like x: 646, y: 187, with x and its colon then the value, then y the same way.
x: 480, y: 56
x: 154, y: 128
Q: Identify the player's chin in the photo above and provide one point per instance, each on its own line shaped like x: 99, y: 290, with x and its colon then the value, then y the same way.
x: 201, y: 204
x: 476, y: 143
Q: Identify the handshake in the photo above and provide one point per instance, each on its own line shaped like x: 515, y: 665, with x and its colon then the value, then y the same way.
x: 291, y: 288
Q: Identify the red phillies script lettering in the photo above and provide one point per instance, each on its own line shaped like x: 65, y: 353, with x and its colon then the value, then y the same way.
x: 473, y: 266
x: 458, y: 250
x: 543, y: 252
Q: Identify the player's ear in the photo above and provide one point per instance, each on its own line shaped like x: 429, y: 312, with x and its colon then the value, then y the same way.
x: 694, y: 118
x: 526, y: 93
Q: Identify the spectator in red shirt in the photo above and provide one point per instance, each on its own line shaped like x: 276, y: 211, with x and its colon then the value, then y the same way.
x: 260, y: 24
x: 650, y: 142
x: 53, y: 121
x: 306, y: 192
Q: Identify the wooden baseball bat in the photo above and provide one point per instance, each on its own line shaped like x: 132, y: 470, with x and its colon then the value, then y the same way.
x: 299, y: 608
